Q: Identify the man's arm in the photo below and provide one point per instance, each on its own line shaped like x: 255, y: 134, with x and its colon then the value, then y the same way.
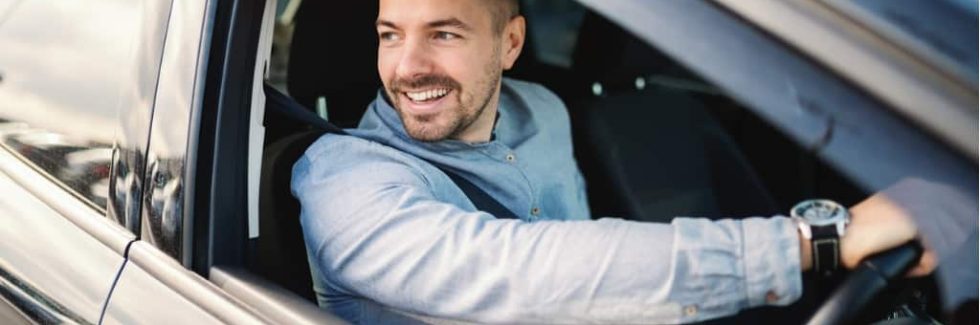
x: 877, y: 224
x: 378, y: 231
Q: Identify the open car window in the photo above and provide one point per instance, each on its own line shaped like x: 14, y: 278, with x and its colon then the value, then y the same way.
x: 671, y: 115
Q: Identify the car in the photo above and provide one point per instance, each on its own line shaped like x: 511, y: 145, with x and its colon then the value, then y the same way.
x: 145, y: 167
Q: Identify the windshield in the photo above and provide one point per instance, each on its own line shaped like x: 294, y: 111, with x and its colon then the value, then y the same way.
x: 948, y: 27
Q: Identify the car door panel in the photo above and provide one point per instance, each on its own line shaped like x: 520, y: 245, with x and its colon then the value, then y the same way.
x: 11, y: 315
x: 154, y: 289
x: 59, y: 269
x: 78, y: 82
x: 165, y: 211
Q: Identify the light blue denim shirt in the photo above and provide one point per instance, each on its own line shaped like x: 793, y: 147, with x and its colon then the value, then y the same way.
x: 389, y: 234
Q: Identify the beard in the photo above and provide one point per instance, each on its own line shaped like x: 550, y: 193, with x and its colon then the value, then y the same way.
x: 464, y: 107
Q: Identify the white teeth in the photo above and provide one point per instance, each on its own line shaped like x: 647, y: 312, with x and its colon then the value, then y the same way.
x: 427, y: 95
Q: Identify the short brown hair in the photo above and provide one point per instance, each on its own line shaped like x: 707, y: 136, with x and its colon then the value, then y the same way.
x: 503, y: 11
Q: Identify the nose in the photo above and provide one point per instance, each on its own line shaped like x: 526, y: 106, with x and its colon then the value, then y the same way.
x: 416, y: 60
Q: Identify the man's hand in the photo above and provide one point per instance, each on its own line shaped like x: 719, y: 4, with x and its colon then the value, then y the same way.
x: 877, y: 224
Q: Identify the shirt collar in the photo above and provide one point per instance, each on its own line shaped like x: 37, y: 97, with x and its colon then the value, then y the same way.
x: 383, y: 121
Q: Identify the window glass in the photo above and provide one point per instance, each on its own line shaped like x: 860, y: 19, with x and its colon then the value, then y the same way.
x: 64, y: 68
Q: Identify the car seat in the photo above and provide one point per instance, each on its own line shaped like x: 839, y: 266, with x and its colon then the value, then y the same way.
x: 651, y: 152
x: 333, y: 56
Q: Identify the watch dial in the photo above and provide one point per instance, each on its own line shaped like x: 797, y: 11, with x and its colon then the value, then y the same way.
x: 818, y: 212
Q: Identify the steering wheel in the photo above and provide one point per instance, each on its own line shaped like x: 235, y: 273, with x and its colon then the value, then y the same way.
x: 860, y: 288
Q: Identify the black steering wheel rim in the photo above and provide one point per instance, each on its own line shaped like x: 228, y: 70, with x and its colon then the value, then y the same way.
x: 862, y: 286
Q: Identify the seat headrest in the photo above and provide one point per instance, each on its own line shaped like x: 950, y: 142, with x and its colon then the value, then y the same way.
x: 609, y: 54
x: 334, y: 55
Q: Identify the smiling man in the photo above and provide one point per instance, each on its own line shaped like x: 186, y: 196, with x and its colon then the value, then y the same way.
x: 441, y: 67
x: 391, y: 237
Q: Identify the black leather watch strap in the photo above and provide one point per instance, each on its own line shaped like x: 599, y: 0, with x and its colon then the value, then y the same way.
x: 826, y: 249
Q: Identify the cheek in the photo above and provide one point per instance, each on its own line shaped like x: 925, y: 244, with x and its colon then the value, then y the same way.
x: 463, y: 67
x: 387, y: 63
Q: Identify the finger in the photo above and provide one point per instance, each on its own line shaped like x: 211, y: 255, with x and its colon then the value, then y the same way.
x: 927, y: 264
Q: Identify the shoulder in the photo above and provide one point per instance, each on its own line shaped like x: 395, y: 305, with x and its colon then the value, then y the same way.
x: 537, y: 104
x: 540, y: 102
x: 532, y: 93
x: 346, y: 161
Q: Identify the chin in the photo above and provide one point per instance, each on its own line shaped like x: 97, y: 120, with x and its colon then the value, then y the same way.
x: 426, y: 132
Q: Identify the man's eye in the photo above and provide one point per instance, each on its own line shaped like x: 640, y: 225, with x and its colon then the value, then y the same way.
x: 388, y: 36
x: 446, y: 36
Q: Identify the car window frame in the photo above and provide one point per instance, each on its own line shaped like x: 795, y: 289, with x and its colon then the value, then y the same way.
x: 920, y: 88
x: 811, y: 103
x: 221, y: 94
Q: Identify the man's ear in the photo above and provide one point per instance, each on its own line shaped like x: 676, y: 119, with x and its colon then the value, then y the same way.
x: 513, y: 41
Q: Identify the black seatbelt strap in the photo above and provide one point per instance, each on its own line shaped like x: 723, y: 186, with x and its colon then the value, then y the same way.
x: 480, y: 198
x: 284, y: 105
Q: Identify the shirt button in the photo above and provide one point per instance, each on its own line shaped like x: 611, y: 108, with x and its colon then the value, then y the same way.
x: 691, y: 310
x: 511, y: 158
x: 772, y: 297
x: 535, y: 212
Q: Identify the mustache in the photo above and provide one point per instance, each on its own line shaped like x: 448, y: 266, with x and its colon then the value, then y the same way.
x: 426, y: 81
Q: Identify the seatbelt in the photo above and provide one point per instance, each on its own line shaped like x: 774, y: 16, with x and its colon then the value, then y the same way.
x: 282, y: 104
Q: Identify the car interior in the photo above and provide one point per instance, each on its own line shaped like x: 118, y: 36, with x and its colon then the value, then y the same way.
x: 653, y: 140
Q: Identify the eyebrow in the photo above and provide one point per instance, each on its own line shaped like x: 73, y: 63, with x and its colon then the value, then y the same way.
x: 385, y: 23
x: 448, y: 22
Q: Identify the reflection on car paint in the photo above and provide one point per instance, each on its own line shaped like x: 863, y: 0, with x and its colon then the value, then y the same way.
x: 76, y: 165
x: 125, y: 186
x: 165, y: 203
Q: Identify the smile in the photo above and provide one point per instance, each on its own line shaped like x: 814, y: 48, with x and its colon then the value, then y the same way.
x: 428, y: 95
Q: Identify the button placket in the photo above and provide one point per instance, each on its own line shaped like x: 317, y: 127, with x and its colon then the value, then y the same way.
x: 498, y: 151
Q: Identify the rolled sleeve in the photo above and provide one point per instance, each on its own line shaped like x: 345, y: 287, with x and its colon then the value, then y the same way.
x: 772, y: 262
x: 728, y: 265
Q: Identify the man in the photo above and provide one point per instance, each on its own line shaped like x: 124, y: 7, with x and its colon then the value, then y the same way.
x: 389, y: 232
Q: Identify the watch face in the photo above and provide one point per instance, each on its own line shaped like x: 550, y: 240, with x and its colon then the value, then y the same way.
x: 820, y: 212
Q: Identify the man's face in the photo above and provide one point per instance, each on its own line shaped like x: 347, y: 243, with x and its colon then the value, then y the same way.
x: 440, y: 62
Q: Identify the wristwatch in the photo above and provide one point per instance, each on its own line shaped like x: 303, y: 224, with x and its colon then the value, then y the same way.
x: 822, y: 222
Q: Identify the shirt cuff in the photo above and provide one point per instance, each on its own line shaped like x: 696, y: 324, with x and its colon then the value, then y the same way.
x: 772, y: 261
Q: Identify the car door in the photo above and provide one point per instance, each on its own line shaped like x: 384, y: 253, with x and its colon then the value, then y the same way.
x: 187, y: 264
x: 76, y: 83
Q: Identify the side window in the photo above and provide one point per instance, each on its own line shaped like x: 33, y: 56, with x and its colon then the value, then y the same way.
x: 66, y: 69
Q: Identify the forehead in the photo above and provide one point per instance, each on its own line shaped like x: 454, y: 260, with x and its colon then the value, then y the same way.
x: 411, y: 13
